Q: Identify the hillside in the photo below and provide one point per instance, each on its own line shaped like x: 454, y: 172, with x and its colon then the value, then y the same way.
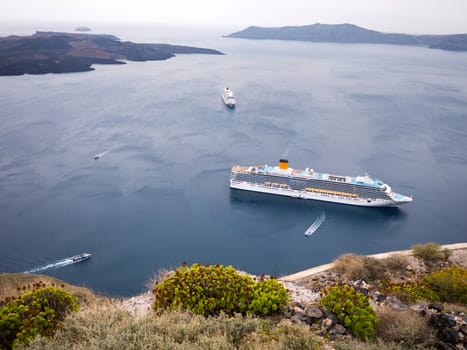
x: 350, y: 33
x: 52, y: 52
x: 406, y: 319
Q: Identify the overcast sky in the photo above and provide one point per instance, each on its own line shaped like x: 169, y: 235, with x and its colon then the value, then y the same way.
x: 407, y: 16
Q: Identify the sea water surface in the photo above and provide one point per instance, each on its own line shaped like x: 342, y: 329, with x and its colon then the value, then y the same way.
x: 159, y: 194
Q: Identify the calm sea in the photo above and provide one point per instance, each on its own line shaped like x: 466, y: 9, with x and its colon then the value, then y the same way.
x: 160, y: 194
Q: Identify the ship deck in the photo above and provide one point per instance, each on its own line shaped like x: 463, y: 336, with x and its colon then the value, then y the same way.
x: 309, y: 174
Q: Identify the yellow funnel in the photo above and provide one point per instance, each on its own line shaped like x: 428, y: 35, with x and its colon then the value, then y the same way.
x: 283, y: 164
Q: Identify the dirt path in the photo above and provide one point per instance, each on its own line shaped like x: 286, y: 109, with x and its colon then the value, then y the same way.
x: 460, y: 249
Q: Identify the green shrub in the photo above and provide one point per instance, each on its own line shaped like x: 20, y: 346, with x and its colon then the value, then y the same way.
x: 352, y: 308
x: 449, y: 283
x: 411, y: 292
x: 269, y: 296
x: 430, y: 253
x: 35, y: 312
x: 209, y: 290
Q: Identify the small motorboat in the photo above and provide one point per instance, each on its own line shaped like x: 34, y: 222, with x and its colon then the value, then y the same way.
x: 81, y: 257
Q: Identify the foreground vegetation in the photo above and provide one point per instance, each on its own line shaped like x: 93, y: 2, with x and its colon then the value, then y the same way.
x: 209, y: 290
x: 113, y: 328
x: 37, y: 312
x: 215, y: 307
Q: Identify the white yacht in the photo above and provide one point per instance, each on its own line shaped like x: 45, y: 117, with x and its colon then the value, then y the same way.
x: 228, y: 97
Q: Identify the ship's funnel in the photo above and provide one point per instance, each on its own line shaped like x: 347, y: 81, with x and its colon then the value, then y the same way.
x: 283, y: 164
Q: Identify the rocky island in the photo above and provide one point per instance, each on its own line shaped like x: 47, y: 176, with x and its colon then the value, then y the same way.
x: 350, y: 33
x: 52, y: 52
x: 82, y: 29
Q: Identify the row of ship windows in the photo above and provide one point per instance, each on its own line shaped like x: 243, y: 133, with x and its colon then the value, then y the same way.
x: 275, y: 184
x: 334, y: 193
x: 316, y: 190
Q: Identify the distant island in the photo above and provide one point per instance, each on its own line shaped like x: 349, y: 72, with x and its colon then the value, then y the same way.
x: 52, y: 52
x: 350, y: 33
x: 82, y: 29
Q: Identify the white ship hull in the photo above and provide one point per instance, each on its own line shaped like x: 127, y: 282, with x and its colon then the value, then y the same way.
x: 315, y: 196
x: 309, y: 184
x: 228, y: 97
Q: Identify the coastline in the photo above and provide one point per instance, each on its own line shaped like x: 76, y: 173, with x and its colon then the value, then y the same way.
x: 298, y: 276
x: 140, y: 305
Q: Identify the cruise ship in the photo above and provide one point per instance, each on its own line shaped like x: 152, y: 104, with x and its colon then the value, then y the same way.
x: 309, y: 184
x: 228, y: 97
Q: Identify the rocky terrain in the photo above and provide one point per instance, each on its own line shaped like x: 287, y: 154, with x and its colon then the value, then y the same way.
x: 305, y: 287
x: 52, y: 52
x: 413, y: 323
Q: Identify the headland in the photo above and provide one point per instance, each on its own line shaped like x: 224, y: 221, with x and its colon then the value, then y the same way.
x: 55, y: 52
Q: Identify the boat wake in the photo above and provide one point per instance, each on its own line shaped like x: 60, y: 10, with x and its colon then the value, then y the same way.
x: 97, y: 156
x: 316, y: 224
x: 59, y: 263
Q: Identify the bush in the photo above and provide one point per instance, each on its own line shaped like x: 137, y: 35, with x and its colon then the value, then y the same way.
x: 374, y: 270
x: 35, y: 312
x: 430, y: 253
x: 209, y: 290
x: 350, y: 266
x: 357, y: 267
x: 269, y: 296
x: 449, y: 283
x: 352, y: 308
x: 396, y: 264
x: 411, y: 292
x: 405, y: 328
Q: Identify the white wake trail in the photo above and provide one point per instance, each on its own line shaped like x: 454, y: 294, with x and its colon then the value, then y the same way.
x: 99, y: 155
x: 316, y: 224
x: 55, y: 265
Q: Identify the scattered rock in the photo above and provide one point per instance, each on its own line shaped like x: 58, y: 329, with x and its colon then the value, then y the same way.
x: 340, y: 329
x: 139, y: 305
x: 314, y: 313
x: 436, y: 306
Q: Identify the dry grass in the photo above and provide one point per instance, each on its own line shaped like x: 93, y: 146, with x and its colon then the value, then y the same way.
x: 349, y: 265
x: 356, y: 267
x: 396, y: 263
x: 157, y: 277
x: 109, y: 327
x: 14, y: 284
x: 405, y: 328
x: 397, y: 330
x: 376, y: 345
x: 449, y: 307
x: 431, y: 253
